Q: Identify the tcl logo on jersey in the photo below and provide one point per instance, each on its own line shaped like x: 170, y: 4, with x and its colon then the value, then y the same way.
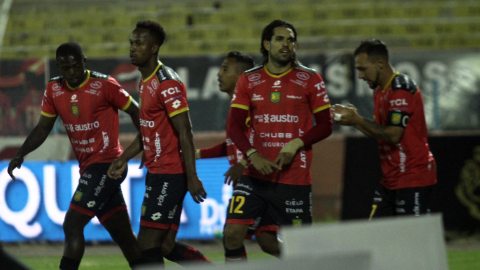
x: 254, y: 77
x: 398, y: 102
x: 170, y: 91
x: 146, y: 123
x: 96, y: 85
x: 275, y: 135
x: 320, y: 85
x: 286, y: 118
x: 303, y: 76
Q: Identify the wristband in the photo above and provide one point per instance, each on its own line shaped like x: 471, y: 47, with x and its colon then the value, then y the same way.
x: 250, y: 152
x: 197, y: 154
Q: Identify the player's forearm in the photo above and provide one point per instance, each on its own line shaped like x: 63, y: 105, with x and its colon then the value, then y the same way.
x: 322, y: 129
x: 134, y: 148
x: 236, y: 130
x: 219, y: 150
x: 188, y: 150
x: 374, y: 130
x: 37, y: 136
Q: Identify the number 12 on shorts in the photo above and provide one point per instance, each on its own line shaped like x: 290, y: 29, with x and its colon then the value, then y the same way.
x: 240, y: 200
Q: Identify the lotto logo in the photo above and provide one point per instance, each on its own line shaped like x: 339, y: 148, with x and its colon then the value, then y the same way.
x: 91, y: 204
x: 156, y: 216
x: 176, y: 104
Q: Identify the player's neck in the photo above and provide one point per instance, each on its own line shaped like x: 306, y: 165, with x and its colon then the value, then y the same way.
x: 386, y: 76
x: 147, y: 69
x: 276, y: 68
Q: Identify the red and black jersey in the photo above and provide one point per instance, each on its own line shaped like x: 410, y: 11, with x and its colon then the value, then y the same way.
x: 90, y: 115
x: 281, y: 108
x: 162, y: 96
x: 408, y: 163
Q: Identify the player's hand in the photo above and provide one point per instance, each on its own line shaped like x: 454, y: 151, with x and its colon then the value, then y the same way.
x: 287, y: 153
x: 262, y: 164
x: 195, y: 187
x: 16, y: 162
x: 347, y: 116
x: 117, y: 168
x: 142, y: 162
x: 233, y: 175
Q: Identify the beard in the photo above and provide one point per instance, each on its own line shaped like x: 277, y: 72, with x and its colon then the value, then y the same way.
x: 282, y: 61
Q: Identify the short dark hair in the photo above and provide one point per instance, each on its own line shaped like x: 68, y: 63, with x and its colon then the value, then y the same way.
x: 268, y: 33
x: 372, y: 47
x: 242, y: 58
x: 156, y: 31
x: 69, y: 48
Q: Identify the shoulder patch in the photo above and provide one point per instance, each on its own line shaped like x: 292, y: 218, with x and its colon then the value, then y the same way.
x: 254, y: 69
x: 98, y: 75
x: 403, y: 82
x: 56, y: 79
x: 166, y: 73
x: 309, y: 70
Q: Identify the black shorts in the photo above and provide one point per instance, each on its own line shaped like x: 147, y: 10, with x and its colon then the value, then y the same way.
x: 97, y: 194
x: 276, y: 204
x: 405, y: 201
x: 163, y: 201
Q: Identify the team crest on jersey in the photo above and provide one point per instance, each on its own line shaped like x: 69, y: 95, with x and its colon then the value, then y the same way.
x: 275, y: 97
x: 144, y: 208
x: 396, y: 118
x: 75, y: 110
x: 78, y: 196
x: 296, y: 222
x: 140, y: 103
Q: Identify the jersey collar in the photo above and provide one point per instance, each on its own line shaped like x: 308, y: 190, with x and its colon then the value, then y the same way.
x: 279, y: 75
x: 390, y: 81
x: 82, y: 84
x: 154, y: 72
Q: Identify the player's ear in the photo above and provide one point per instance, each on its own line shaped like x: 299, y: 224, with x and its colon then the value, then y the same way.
x: 155, y: 48
x: 266, y: 44
x: 380, y: 63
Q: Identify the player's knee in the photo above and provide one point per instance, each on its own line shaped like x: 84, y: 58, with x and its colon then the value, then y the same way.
x: 233, y: 235
x: 167, y: 246
x: 271, y: 248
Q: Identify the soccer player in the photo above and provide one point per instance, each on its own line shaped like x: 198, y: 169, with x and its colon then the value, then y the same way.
x: 283, y: 98
x: 232, y: 67
x: 9, y: 262
x: 88, y: 103
x: 409, y: 170
x: 167, y: 140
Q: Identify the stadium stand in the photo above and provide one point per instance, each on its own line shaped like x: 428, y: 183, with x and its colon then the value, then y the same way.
x: 35, y: 28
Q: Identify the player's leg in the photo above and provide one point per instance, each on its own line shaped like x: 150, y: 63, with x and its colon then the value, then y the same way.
x: 114, y: 217
x: 179, y: 252
x: 383, y: 203
x: 413, y: 201
x: 74, y: 246
x: 244, y: 207
x: 161, y: 211
x: 268, y: 242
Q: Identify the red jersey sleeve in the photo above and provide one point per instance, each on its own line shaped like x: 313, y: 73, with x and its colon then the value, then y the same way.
x: 116, y: 95
x: 48, y: 108
x: 400, y: 106
x: 318, y: 96
x: 241, y: 98
x: 172, y: 95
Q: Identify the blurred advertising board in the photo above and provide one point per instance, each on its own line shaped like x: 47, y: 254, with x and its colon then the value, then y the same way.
x: 33, y: 207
